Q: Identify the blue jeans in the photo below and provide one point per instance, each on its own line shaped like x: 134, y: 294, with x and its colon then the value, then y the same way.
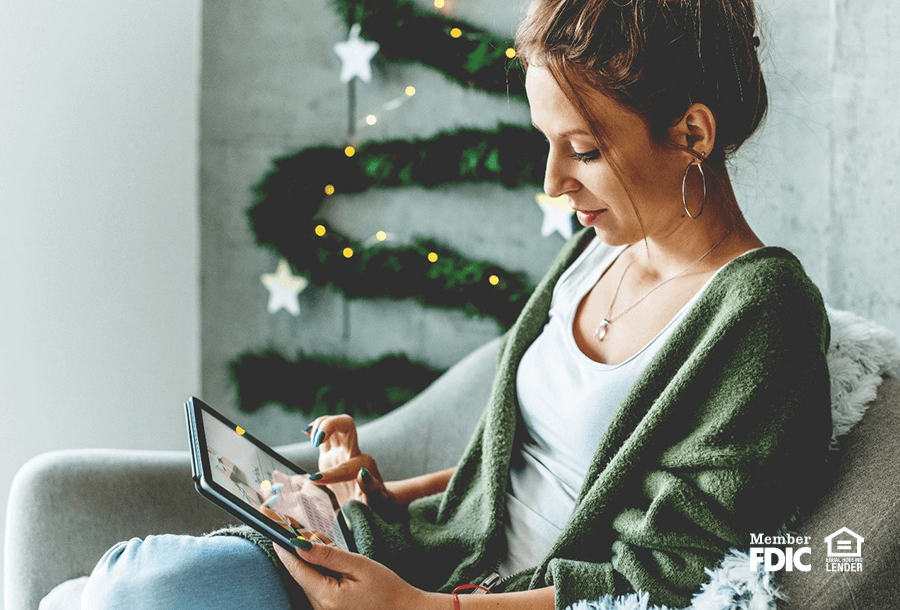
x: 185, y: 573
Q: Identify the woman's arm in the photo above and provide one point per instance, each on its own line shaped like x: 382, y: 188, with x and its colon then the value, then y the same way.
x: 354, y: 475
x: 364, y: 583
x: 537, y: 599
x: 407, y: 490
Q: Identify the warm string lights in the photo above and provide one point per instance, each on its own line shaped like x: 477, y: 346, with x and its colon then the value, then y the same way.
x: 383, y: 237
x: 359, y: 52
x: 372, y: 119
x: 289, y: 198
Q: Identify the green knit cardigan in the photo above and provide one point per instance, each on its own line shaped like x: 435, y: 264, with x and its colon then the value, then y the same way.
x: 723, y: 436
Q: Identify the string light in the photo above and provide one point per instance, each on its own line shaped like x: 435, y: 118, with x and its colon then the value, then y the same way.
x: 456, y: 33
x: 348, y: 252
x: 329, y: 189
x: 410, y: 91
x: 350, y: 151
x: 240, y: 431
x: 381, y: 236
x: 371, y: 119
x: 494, y: 280
x: 432, y: 257
x: 511, y: 53
x: 320, y: 231
x: 439, y: 3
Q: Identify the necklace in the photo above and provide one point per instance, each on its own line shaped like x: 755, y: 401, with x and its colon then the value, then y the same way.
x: 603, y: 327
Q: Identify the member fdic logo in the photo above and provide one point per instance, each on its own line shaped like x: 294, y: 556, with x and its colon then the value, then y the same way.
x: 783, y: 556
x: 789, y: 552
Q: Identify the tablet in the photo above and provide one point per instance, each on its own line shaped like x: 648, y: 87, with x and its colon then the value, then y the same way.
x: 238, y: 473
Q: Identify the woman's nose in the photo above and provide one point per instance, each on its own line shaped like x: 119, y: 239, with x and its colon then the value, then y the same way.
x: 557, y: 180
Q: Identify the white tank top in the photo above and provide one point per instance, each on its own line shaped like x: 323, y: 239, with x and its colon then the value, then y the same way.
x: 567, y: 402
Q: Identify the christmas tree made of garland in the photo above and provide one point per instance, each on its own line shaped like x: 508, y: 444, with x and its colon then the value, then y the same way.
x: 284, y: 216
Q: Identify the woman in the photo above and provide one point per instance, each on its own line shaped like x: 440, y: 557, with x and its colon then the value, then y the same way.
x: 664, y: 393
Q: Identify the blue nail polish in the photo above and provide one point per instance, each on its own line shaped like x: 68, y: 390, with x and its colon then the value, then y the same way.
x: 276, y: 489
x: 308, y: 428
x: 302, y: 543
x: 272, y: 502
x: 365, y: 476
x: 312, y: 437
x: 320, y: 436
x: 315, y: 477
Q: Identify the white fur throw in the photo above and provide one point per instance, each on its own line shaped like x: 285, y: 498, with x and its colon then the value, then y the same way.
x: 859, y: 355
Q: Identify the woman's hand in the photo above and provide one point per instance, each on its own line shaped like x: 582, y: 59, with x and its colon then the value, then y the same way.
x: 349, y: 473
x: 354, y: 581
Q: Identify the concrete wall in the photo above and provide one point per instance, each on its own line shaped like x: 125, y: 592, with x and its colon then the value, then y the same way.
x: 821, y: 178
x: 271, y: 86
x: 99, y: 253
x: 818, y: 179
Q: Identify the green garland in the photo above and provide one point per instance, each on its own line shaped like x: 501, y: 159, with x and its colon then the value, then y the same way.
x: 407, y: 34
x: 317, y: 385
x: 289, y: 197
x: 283, y: 218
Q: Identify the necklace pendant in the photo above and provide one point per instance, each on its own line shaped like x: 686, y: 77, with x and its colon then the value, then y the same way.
x: 600, y: 333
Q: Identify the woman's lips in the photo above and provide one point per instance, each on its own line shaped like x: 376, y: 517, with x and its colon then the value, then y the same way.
x: 589, y: 217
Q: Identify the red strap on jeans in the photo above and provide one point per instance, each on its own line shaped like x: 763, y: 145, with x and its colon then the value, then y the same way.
x: 454, y: 593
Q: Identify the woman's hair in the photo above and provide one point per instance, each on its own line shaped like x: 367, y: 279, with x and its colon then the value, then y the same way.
x: 656, y: 58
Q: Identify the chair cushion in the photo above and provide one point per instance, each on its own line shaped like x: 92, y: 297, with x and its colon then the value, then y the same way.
x: 864, y: 496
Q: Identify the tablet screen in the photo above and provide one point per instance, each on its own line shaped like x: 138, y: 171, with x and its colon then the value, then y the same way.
x: 241, y: 471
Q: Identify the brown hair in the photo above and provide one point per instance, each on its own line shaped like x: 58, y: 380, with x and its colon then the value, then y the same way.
x: 656, y: 58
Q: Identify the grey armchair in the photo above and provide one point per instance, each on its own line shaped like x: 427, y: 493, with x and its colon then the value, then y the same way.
x: 57, y: 530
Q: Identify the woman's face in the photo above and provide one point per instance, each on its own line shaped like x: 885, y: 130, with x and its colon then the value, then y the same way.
x: 581, y: 168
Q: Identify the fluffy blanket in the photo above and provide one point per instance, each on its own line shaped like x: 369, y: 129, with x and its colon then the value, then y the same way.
x: 859, y: 355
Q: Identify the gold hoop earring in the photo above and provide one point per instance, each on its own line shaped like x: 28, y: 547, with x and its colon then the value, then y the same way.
x: 687, y: 211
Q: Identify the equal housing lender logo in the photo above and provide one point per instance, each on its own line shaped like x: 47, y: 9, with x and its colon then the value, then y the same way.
x: 844, y: 551
x: 789, y: 552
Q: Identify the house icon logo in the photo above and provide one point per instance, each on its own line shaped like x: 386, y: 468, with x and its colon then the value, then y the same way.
x: 844, y: 543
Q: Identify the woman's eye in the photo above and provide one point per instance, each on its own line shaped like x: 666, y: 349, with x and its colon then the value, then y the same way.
x: 586, y: 157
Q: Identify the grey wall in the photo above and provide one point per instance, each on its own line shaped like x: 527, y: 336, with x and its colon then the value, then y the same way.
x: 819, y: 178
x: 270, y: 85
x: 99, y: 257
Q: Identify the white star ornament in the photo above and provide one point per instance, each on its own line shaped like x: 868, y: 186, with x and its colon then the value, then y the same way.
x: 356, y: 55
x: 284, y: 289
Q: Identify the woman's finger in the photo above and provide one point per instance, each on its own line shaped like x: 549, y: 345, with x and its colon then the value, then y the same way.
x: 346, y: 471
x: 330, y: 426
x: 312, y: 429
x: 331, y: 558
x: 311, y: 580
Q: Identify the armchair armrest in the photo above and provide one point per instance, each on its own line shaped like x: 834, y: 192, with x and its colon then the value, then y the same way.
x: 67, y: 508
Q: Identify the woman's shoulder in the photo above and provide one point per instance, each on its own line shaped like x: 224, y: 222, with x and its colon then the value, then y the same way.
x: 766, y: 270
x: 770, y: 279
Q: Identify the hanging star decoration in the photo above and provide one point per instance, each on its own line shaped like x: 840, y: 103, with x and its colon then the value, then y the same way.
x: 557, y: 215
x: 356, y: 55
x: 284, y: 289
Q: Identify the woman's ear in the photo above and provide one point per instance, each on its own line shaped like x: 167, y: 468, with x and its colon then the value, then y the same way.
x: 695, y: 130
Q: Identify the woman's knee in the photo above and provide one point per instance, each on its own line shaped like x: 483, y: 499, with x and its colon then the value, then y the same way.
x: 184, y: 572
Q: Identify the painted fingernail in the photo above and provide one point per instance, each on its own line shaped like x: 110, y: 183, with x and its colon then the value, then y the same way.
x: 276, y: 489
x: 320, y: 436
x: 312, y: 437
x: 272, y: 502
x: 365, y: 476
x: 315, y: 477
x: 308, y: 428
x: 302, y: 543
